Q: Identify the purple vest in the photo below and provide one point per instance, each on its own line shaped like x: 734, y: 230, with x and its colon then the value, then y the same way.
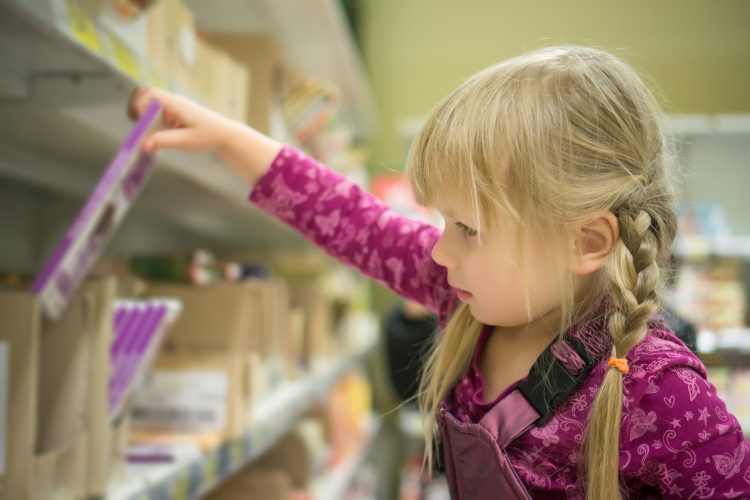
x: 476, y: 464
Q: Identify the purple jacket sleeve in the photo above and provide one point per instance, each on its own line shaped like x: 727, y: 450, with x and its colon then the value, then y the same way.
x: 355, y: 227
x: 681, y: 440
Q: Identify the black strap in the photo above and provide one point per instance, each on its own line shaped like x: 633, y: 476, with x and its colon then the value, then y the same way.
x: 550, y: 383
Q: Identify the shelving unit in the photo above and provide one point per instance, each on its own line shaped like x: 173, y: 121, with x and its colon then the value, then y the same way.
x: 64, y: 86
x: 63, y: 93
x: 193, y: 474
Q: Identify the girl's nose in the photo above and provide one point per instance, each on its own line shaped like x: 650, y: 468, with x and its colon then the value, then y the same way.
x: 442, y: 256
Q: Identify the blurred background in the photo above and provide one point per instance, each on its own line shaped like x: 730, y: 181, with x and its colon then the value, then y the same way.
x: 209, y: 351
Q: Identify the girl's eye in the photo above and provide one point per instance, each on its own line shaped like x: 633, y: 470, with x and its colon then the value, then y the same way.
x: 466, y: 230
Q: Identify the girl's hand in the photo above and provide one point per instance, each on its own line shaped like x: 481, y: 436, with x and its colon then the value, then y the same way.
x: 192, y: 128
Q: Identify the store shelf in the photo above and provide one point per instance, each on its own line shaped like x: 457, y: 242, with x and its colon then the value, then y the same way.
x: 63, y: 91
x: 193, y: 474
x: 692, y: 247
x: 334, y: 484
x: 315, y: 39
x: 727, y: 358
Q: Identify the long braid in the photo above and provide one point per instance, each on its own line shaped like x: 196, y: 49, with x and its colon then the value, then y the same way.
x: 635, y: 275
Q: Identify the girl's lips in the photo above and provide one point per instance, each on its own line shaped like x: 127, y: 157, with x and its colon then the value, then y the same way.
x: 463, y: 295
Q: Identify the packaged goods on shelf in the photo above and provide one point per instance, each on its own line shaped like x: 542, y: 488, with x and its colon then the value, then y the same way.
x: 198, y: 267
x: 223, y: 82
x: 204, y: 394
x: 308, y: 105
x: 98, y: 219
x: 705, y: 219
x: 349, y: 410
x: 139, y: 328
x: 733, y: 386
x: 61, y: 438
x: 261, y: 56
x: 221, y: 317
x: 319, y: 341
x: 250, y: 316
x: 172, y: 41
x: 256, y: 485
x: 712, y: 294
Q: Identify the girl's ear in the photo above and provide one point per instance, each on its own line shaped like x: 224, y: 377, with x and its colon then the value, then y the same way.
x: 593, y: 242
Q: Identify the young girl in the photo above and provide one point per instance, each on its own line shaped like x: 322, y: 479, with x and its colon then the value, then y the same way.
x: 553, y: 375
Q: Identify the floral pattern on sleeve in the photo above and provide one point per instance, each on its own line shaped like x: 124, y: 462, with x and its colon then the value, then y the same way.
x: 355, y: 227
x: 680, y: 439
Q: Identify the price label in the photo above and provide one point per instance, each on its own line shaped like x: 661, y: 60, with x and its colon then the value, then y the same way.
x: 180, y: 488
x: 211, y: 469
x: 238, y: 453
x: 157, y: 80
x: 124, y: 58
x: 82, y: 27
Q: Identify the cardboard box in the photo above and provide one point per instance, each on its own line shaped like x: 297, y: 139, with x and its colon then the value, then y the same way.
x: 217, y: 318
x: 261, y: 55
x: 57, y: 428
x: 172, y: 42
x: 256, y: 485
x: 224, y: 84
x: 291, y: 454
x: 318, y: 339
x: 208, y: 393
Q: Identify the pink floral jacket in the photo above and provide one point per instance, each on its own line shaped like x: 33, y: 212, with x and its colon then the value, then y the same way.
x: 677, y: 439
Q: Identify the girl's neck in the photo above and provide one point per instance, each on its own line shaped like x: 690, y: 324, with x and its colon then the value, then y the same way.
x: 510, y: 352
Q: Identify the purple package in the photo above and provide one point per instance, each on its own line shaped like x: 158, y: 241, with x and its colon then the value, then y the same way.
x: 137, y: 355
x: 129, y: 351
x: 98, y: 219
x: 137, y: 348
x: 122, y: 350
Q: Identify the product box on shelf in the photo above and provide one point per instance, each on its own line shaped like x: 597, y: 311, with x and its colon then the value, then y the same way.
x: 172, y: 41
x: 284, y: 470
x: 256, y: 485
x: 261, y: 55
x: 223, y: 83
x: 318, y: 341
x: 221, y: 317
x: 59, y: 437
x: 196, y: 393
x: 99, y: 218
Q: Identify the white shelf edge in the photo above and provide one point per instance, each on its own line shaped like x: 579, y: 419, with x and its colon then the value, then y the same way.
x: 690, y: 246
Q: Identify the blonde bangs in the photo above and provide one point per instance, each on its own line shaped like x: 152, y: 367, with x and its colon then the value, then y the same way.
x: 454, y: 159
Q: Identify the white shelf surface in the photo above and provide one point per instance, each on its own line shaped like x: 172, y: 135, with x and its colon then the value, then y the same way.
x: 194, y: 473
x: 695, y: 246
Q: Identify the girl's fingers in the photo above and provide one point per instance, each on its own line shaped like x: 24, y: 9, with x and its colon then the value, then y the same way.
x: 172, y: 104
x: 179, y: 138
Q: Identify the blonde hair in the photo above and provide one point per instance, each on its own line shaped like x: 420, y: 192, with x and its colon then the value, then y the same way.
x: 556, y: 138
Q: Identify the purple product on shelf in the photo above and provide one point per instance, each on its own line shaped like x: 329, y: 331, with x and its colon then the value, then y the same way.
x: 134, y: 356
x: 141, y: 347
x: 119, y: 315
x: 131, y: 314
x: 129, y: 338
x: 98, y: 219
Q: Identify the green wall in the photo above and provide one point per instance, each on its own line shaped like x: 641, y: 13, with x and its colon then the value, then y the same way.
x: 697, y: 52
